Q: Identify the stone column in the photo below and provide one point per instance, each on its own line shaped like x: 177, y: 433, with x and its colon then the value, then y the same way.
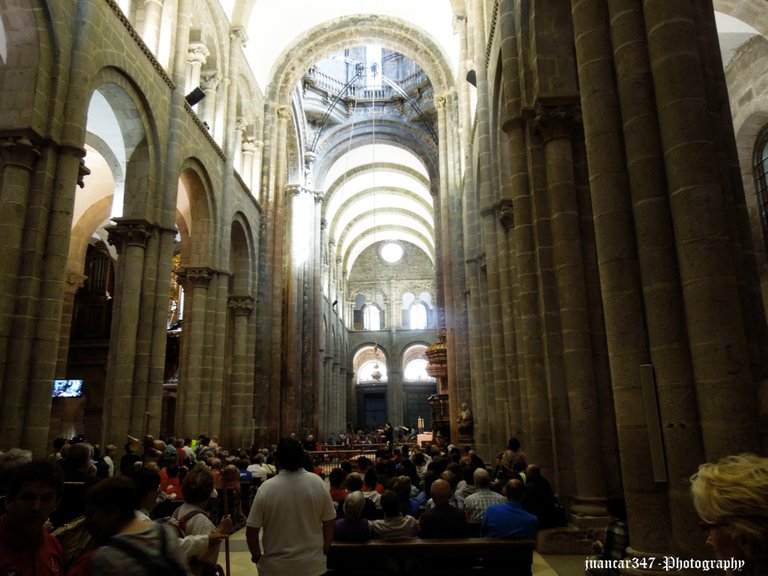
x: 195, y: 282
x: 43, y: 290
x: 149, y: 25
x: 17, y: 159
x: 197, y: 56
x: 130, y: 238
x: 246, y: 172
x: 240, y: 127
x: 649, y: 505
x: 74, y: 281
x: 210, y: 80
x: 714, y: 316
x: 556, y: 126
x: 239, y: 403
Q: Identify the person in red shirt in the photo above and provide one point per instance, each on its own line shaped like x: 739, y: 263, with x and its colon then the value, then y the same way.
x: 336, y: 479
x: 26, y: 546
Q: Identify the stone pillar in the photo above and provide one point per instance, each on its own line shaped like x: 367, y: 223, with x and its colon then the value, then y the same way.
x: 714, y: 316
x: 240, y: 127
x: 246, y: 172
x: 197, y: 56
x: 149, y: 25
x: 130, y: 238
x: 239, y: 403
x: 74, y: 281
x: 210, y: 80
x: 17, y: 160
x: 195, y: 282
x: 556, y: 126
x: 627, y: 312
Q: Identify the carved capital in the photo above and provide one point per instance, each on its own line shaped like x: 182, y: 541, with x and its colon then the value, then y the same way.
x: 241, y: 305
x: 294, y: 189
x: 74, y: 281
x: 323, y: 224
x: 250, y: 145
x: 126, y: 232
x: 506, y: 214
x: 18, y: 151
x: 284, y: 112
x: 440, y: 102
x: 557, y: 122
x: 197, y: 53
x: 194, y: 277
x: 241, y: 124
x: 238, y: 34
x: 210, y: 80
x: 319, y: 195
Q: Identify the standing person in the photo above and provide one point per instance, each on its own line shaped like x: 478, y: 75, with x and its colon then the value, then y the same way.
x: 295, y: 511
x: 26, y: 547
x: 731, y: 498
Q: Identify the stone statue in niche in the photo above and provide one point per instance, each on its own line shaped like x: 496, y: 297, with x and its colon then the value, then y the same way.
x: 466, y: 423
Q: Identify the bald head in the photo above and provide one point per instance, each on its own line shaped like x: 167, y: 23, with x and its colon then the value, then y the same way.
x: 440, y: 491
x: 481, y: 477
x: 514, y: 490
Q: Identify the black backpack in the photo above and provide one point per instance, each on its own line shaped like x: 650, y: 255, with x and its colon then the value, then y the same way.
x: 162, y: 565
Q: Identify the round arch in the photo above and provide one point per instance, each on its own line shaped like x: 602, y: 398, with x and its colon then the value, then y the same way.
x: 195, y: 214
x: 390, y: 32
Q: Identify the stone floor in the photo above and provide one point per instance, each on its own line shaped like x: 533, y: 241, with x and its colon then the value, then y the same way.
x: 549, y: 565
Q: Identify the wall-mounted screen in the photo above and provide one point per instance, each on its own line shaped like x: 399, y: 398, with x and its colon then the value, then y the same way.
x: 72, y: 388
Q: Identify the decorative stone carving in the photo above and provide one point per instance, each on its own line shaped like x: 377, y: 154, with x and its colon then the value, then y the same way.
x: 210, y: 80
x: 284, y: 112
x: 19, y: 151
x: 74, y: 281
x: 241, y: 305
x: 506, y: 214
x: 466, y: 423
x: 194, y: 277
x: 197, y: 53
x: 238, y: 34
x: 128, y: 232
x: 557, y: 121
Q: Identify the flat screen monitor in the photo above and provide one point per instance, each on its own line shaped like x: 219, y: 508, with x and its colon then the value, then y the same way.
x: 72, y: 388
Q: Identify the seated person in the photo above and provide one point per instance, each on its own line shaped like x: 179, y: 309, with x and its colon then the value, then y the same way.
x: 540, y: 501
x: 731, y: 498
x: 510, y: 520
x: 442, y: 520
x: 478, y: 502
x: 354, y: 483
x: 26, y: 546
x: 352, y: 526
x: 394, y: 524
x: 336, y: 479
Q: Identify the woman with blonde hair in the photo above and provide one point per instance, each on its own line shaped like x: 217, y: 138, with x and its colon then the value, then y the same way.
x: 731, y: 498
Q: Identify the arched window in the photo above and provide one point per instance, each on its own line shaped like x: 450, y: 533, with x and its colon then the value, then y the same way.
x: 761, y: 176
x: 416, y: 371
x: 418, y: 316
x: 371, y: 317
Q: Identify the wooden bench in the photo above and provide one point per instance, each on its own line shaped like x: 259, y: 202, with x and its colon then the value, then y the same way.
x: 459, y: 556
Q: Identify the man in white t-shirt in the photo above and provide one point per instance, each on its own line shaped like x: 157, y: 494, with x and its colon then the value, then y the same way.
x: 296, y: 513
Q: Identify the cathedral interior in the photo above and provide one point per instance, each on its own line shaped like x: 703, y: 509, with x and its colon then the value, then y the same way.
x: 249, y: 218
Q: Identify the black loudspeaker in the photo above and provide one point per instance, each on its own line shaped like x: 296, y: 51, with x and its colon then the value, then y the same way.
x: 195, y: 96
x: 472, y: 78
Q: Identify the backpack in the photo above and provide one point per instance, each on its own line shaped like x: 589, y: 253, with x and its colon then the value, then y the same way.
x: 162, y: 565
x: 180, y: 525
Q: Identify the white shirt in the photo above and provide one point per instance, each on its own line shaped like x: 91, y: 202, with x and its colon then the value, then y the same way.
x: 258, y: 471
x: 290, y: 509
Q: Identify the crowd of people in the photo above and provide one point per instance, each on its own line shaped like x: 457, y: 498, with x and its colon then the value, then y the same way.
x: 166, y: 506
